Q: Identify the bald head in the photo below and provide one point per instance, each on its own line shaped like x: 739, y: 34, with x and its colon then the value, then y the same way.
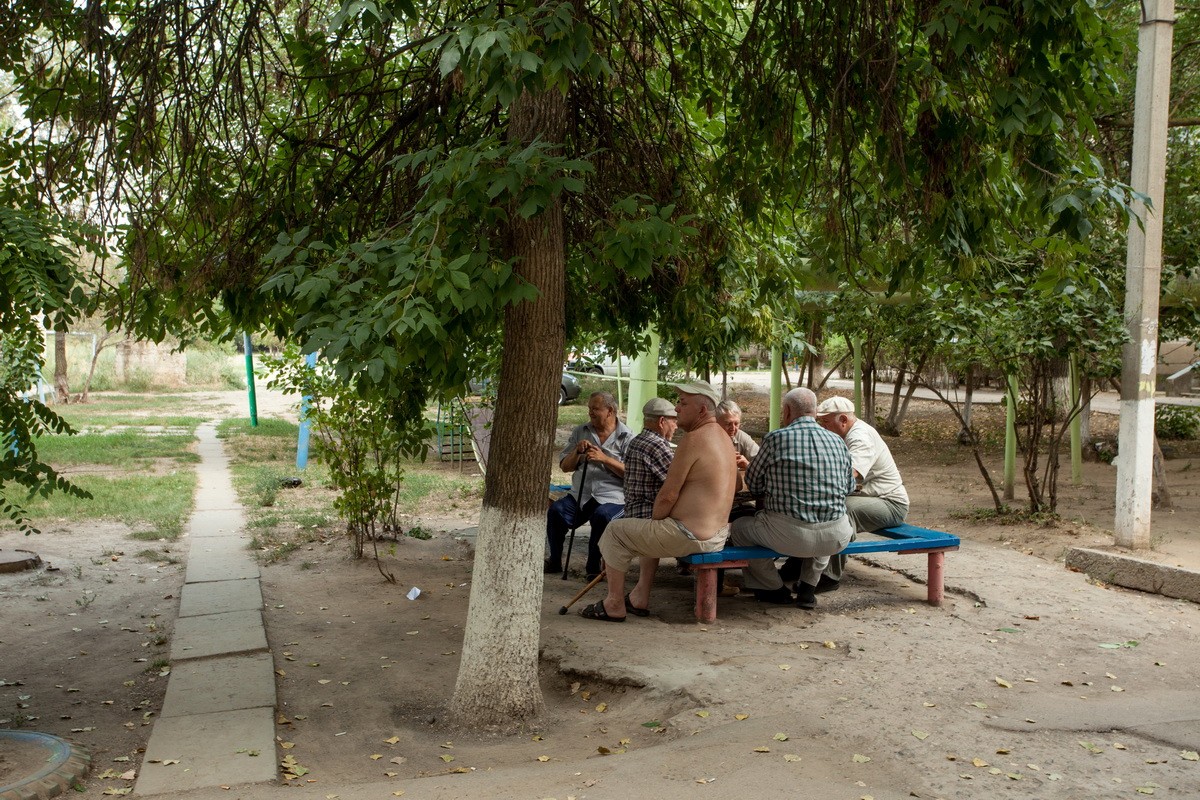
x: 800, y: 402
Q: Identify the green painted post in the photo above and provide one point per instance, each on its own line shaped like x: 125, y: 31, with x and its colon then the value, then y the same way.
x: 776, y: 385
x: 1010, y: 440
x: 856, y: 347
x: 643, y: 384
x: 1076, y: 425
x: 250, y: 379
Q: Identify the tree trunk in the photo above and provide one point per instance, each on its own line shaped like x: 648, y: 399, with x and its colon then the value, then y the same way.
x: 101, y: 343
x: 498, y: 674
x: 817, y: 366
x: 62, y: 389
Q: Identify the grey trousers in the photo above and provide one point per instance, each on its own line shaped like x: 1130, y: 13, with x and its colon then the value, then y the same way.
x: 866, y: 514
x: 815, y: 541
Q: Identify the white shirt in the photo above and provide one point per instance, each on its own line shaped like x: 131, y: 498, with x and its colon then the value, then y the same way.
x: 872, y: 459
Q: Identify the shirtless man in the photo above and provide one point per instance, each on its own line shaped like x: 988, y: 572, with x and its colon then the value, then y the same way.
x: 690, y: 511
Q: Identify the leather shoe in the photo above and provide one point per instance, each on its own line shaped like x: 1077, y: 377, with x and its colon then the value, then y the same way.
x: 790, y: 571
x: 780, y: 596
x: 827, y: 584
x: 806, y: 595
x: 550, y: 566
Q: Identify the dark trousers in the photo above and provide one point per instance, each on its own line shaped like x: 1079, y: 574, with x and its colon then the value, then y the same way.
x: 565, y: 514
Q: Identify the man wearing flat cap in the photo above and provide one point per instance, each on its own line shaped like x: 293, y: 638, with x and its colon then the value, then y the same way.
x: 803, y: 472
x: 880, y: 500
x: 689, y: 514
x: 649, y: 457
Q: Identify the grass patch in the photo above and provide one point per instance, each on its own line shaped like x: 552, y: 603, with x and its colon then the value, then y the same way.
x: 127, y: 449
x: 270, y: 428
x: 418, y: 486
x: 154, y: 506
x: 1010, y: 516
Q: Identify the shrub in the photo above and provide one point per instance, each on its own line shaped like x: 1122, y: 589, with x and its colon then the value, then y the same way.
x: 1176, y: 422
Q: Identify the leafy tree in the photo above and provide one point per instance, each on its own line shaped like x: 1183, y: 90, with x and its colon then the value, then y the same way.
x: 416, y: 189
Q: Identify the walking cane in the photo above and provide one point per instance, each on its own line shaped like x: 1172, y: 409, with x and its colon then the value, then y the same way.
x: 578, y: 514
x: 582, y: 592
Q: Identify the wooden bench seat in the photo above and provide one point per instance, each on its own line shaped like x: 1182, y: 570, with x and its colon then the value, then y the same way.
x: 898, y: 539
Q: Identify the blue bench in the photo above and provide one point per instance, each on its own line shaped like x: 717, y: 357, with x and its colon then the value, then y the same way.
x: 898, y: 539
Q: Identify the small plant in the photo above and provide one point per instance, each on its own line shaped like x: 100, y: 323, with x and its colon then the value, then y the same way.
x: 417, y: 532
x: 77, y: 571
x: 86, y: 599
x: 266, y: 488
x: 158, y: 665
x: 306, y: 565
x: 1176, y: 422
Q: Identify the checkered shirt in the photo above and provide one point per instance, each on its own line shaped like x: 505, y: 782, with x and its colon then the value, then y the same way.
x: 804, y: 471
x: 646, y: 466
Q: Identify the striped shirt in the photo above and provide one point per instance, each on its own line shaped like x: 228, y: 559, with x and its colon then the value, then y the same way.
x: 646, y: 463
x: 804, y: 471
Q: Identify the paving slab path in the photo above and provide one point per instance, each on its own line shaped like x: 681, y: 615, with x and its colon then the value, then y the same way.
x: 218, y: 720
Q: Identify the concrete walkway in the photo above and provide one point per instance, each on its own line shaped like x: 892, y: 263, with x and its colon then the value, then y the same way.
x: 218, y: 719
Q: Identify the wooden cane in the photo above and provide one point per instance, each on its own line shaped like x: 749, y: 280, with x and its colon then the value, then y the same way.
x: 582, y: 592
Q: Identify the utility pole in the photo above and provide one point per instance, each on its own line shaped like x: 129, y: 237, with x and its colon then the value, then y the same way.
x: 1143, y: 270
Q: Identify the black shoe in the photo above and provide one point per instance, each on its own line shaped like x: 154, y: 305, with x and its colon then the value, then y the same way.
x: 591, y: 576
x: 780, y: 596
x: 827, y: 584
x: 790, y: 571
x: 550, y: 566
x: 806, y: 595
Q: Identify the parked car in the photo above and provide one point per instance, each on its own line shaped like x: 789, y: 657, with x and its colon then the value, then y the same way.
x: 567, y: 391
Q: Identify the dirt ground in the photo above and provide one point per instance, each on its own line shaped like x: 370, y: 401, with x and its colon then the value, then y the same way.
x: 1030, y: 680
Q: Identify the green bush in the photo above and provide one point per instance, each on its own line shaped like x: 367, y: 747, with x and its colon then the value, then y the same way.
x: 1176, y: 422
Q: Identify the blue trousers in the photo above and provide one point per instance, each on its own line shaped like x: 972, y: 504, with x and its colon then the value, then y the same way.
x: 565, y: 514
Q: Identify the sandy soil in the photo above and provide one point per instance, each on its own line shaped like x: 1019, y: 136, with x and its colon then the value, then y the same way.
x: 1030, y: 681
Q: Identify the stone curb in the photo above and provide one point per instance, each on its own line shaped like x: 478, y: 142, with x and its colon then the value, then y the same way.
x: 1121, y: 569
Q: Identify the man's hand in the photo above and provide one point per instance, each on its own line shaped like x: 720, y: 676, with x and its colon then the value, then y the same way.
x: 741, y: 461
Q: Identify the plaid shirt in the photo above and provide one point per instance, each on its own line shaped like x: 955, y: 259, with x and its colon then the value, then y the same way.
x: 804, y: 471
x: 646, y: 465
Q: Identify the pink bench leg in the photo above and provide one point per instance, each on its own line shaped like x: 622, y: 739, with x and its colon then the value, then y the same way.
x: 936, y: 583
x: 706, y: 594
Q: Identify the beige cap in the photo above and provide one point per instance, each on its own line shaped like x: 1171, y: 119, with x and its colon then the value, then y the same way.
x: 702, y: 388
x: 835, y: 405
x: 657, y: 407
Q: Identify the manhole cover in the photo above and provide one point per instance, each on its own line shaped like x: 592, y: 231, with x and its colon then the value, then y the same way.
x: 17, y: 560
x: 38, y: 765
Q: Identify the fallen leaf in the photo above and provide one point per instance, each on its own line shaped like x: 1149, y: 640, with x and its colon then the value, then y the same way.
x: 287, y: 745
x: 1003, y: 751
x: 922, y: 735
x: 128, y: 775
x: 1145, y: 790
x: 702, y: 714
x: 602, y: 707
x: 1116, y: 688
x: 979, y: 762
x: 980, y: 705
x: 1001, y: 682
x: 762, y: 749
x: 740, y: 717
x: 398, y: 793
x: 1119, y: 746
x: 785, y: 667
x: 447, y: 758
x: 652, y: 724
x: 391, y: 774
x: 574, y: 687
x: 1091, y: 748
x: 376, y: 756
x: 126, y: 790
x: 1189, y: 755
x: 860, y: 759
x: 831, y: 645
x: 324, y: 681
x: 543, y: 758
x: 780, y: 737
x: 392, y: 740
x: 791, y: 757
x: 397, y: 760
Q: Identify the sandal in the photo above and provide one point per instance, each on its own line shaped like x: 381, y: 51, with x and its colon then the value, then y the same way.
x: 632, y: 609
x: 597, y: 611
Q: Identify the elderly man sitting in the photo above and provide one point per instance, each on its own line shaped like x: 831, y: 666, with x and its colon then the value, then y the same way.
x: 649, y: 457
x: 880, y: 500
x: 597, y: 490
x: 804, y: 472
x: 689, y: 514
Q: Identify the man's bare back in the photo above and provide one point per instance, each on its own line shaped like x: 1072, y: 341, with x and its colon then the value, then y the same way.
x: 701, y: 481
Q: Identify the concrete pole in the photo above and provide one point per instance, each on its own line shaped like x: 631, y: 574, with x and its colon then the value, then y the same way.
x: 305, y: 432
x: 1143, y: 268
x: 643, y: 383
x: 776, y: 386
